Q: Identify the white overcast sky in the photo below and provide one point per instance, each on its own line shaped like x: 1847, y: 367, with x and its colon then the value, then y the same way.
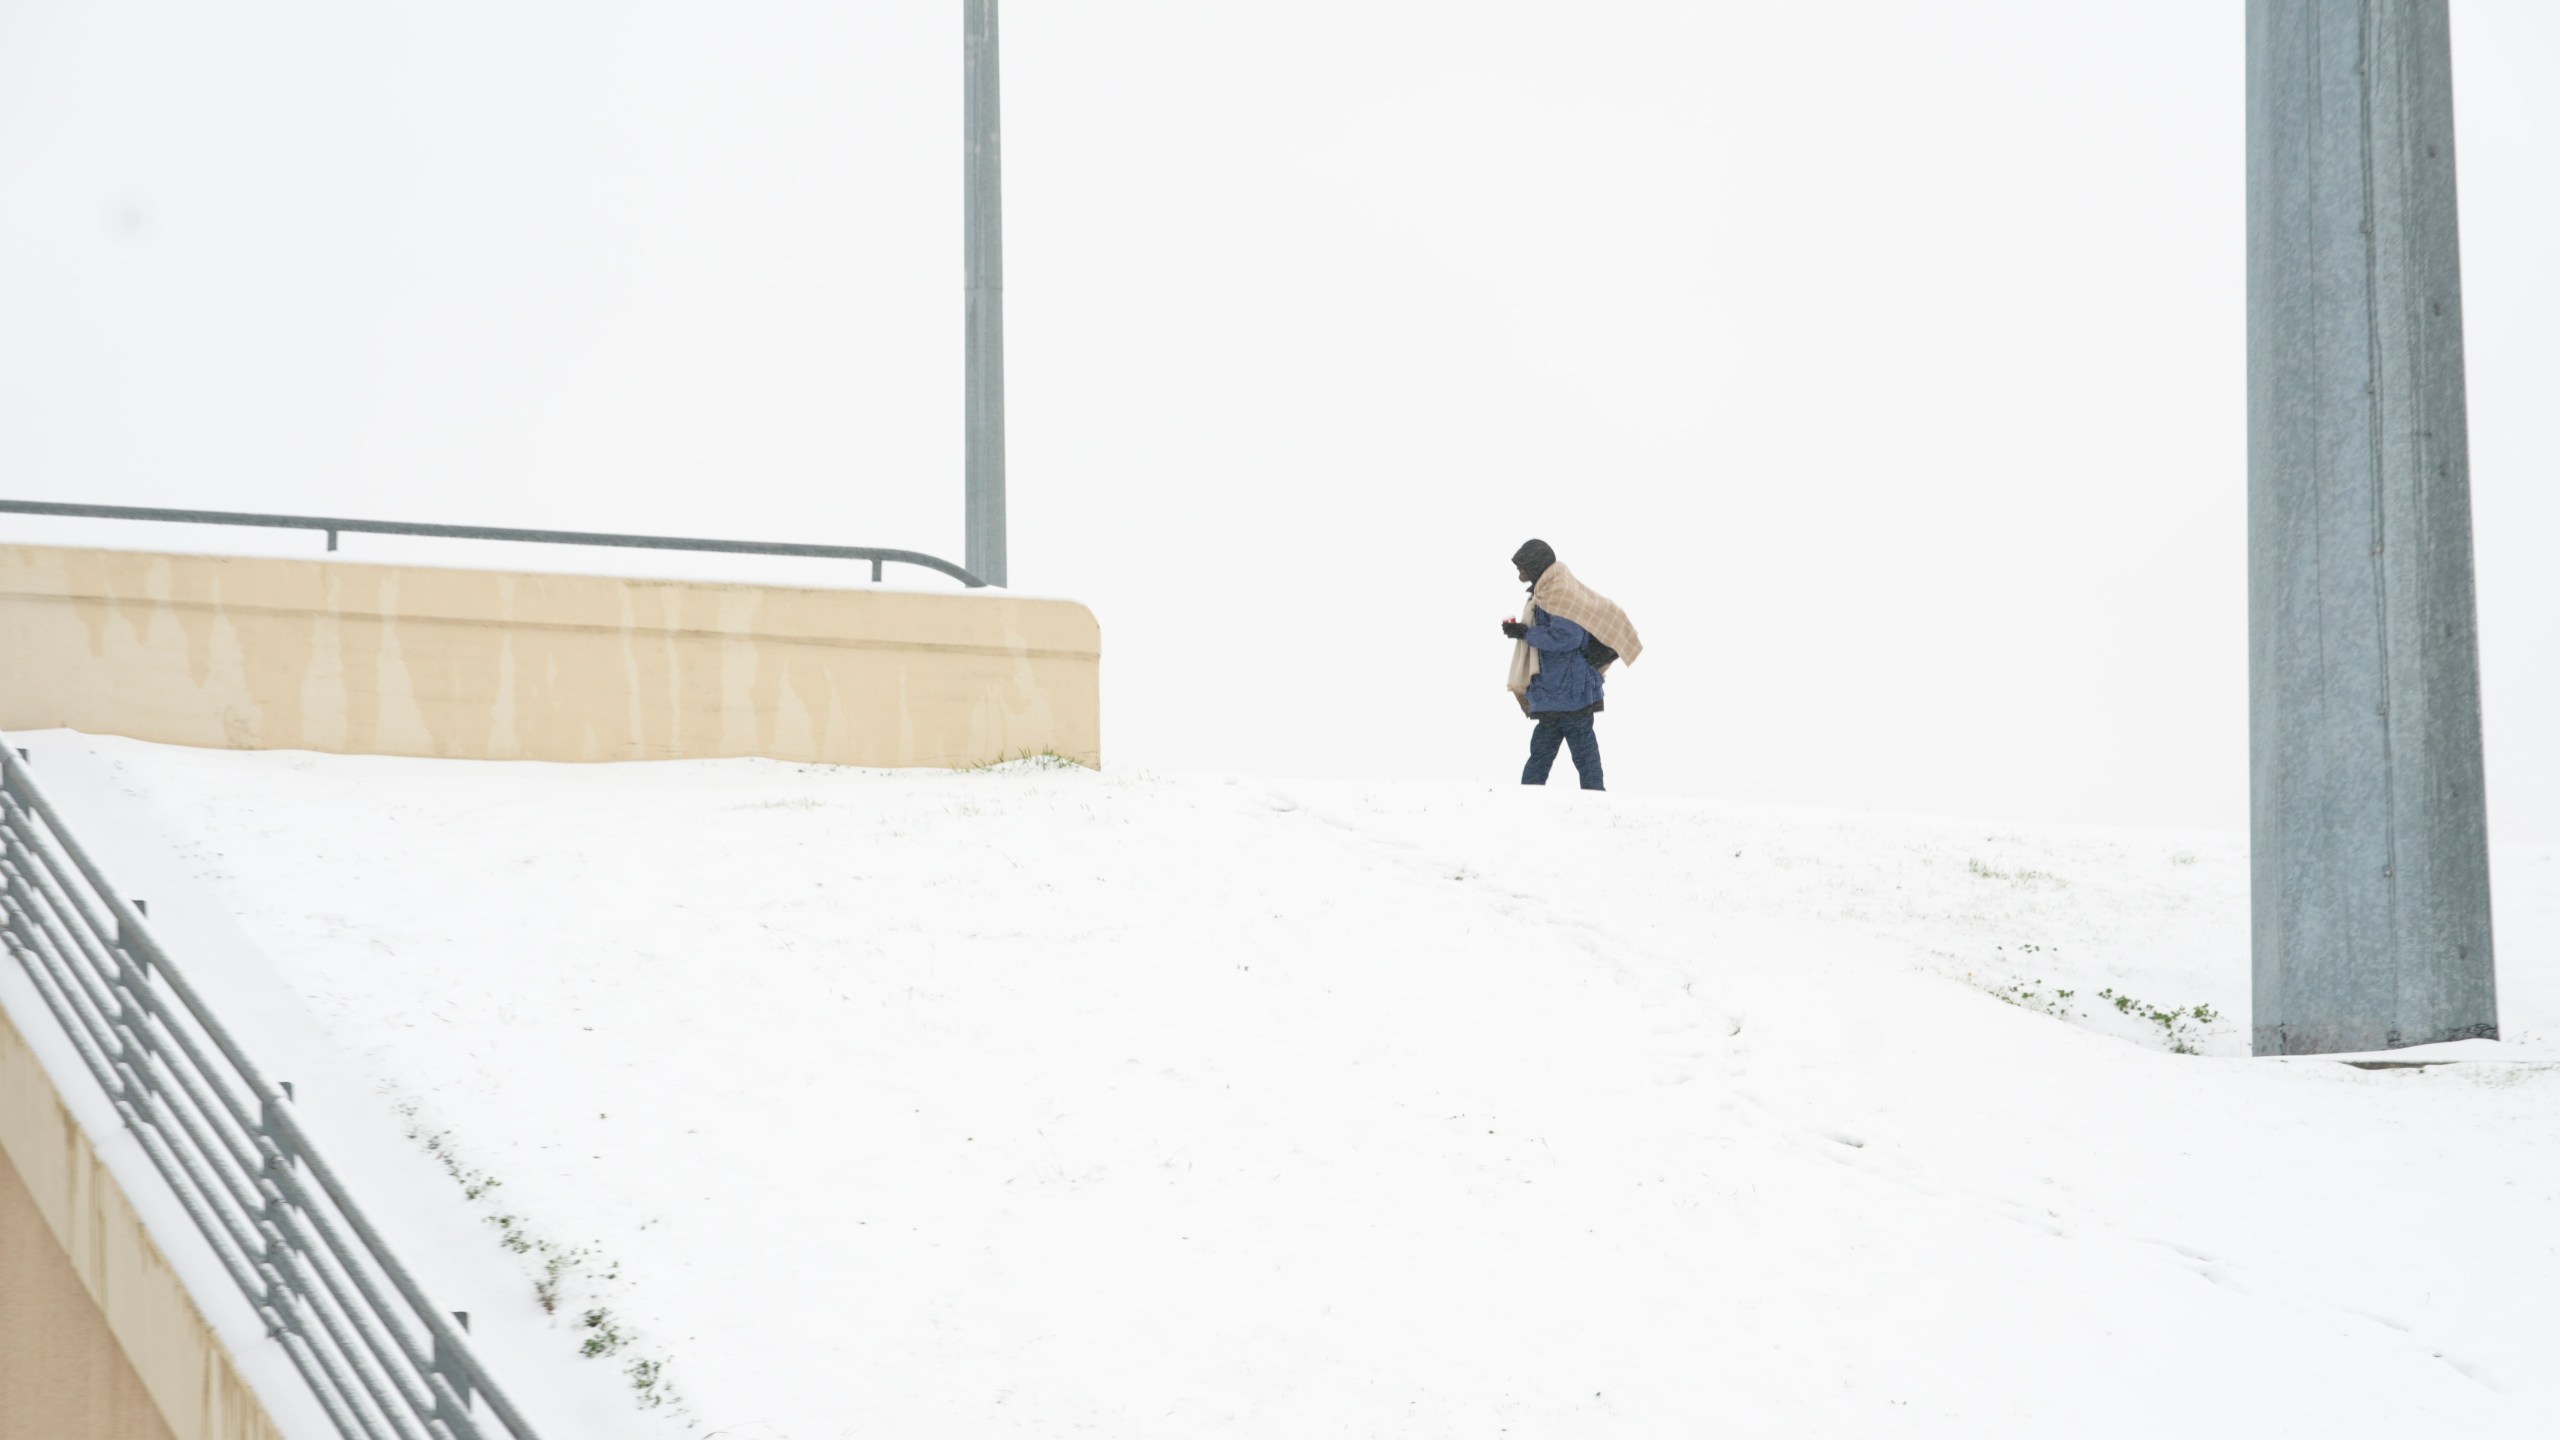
x: 1884, y: 359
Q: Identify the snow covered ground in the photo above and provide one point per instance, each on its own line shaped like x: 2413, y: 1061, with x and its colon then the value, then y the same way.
x: 822, y: 1103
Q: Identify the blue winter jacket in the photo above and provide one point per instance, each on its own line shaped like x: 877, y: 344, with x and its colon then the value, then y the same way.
x: 1565, y: 681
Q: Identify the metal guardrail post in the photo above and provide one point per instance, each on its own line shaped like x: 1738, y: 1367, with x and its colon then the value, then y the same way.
x: 454, y: 1405
x: 13, y: 934
x: 272, y: 1158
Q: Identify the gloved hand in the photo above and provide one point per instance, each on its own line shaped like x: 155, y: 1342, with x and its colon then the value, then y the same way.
x: 1514, y: 629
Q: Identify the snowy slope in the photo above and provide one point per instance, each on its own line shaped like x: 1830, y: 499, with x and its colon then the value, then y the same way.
x: 1052, y: 1102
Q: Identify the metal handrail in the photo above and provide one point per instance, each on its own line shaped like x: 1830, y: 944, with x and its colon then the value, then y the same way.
x: 382, y: 1361
x: 332, y: 528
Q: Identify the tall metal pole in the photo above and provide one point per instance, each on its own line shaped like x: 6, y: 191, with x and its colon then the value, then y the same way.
x: 2369, y: 838
x: 984, y: 245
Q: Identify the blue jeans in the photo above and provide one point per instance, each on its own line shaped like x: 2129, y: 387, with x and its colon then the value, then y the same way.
x: 1555, y: 730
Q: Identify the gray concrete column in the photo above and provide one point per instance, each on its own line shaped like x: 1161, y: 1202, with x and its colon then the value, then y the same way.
x: 2369, y: 839
x: 983, y: 244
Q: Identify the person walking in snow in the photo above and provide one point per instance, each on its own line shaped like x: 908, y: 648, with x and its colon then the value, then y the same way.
x: 1564, y: 642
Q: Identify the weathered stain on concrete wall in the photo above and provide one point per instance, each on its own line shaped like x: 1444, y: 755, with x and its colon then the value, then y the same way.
x: 62, y: 1374
x: 98, y: 1338
x: 247, y: 653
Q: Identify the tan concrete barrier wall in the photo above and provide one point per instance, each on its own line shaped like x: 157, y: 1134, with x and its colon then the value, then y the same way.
x: 265, y: 654
x: 98, y: 1339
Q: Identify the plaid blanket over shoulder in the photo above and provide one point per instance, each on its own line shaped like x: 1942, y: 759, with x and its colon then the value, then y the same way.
x: 1559, y: 593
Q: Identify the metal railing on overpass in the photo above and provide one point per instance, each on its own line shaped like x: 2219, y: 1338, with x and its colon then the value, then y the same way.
x: 334, y: 527
x: 384, y: 1363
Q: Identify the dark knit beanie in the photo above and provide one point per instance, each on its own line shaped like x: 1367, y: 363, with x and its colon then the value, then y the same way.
x: 1535, y: 557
